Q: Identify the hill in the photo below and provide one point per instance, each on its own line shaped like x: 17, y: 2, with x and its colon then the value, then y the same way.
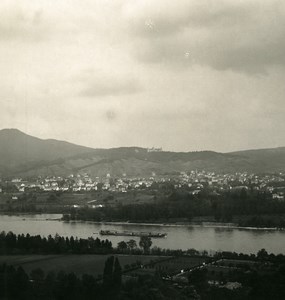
x: 22, y: 154
x: 19, y: 151
x: 263, y: 160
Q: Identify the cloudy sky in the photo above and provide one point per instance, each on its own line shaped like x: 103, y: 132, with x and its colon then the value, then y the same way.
x: 183, y: 75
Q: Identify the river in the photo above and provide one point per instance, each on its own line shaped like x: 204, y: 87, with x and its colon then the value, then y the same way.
x: 178, y: 237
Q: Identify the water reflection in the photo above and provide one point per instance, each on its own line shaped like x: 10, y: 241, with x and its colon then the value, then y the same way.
x: 223, y: 229
x: 189, y: 228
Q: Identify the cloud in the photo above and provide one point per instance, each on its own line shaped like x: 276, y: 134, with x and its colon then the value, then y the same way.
x: 110, y: 87
x: 162, y: 67
x: 167, y: 17
x: 104, y: 85
x: 22, y: 24
x: 243, y: 36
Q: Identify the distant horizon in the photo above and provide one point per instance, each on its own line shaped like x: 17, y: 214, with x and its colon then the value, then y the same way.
x: 135, y: 146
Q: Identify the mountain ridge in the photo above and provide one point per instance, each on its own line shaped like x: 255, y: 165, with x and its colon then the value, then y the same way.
x: 24, y: 155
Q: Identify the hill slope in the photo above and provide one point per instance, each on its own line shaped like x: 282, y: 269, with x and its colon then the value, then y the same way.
x: 21, y: 154
x: 19, y: 150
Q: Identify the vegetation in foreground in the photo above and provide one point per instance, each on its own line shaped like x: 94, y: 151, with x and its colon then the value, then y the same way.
x: 185, y: 275
x: 261, y: 280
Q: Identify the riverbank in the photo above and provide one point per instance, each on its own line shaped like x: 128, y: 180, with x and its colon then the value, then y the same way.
x: 264, y: 221
x: 189, y: 224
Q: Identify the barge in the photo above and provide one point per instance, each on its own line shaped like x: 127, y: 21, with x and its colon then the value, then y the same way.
x: 131, y: 233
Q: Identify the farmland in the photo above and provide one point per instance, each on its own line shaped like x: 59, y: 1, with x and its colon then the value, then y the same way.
x: 171, y: 266
x: 79, y: 264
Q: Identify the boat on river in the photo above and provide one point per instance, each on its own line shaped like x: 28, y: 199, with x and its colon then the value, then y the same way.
x: 133, y: 233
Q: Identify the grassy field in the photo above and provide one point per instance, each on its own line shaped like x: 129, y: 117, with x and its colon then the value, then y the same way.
x: 79, y: 264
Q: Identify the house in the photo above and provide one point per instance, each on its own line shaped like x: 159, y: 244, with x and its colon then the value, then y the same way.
x: 195, y: 192
x: 279, y: 197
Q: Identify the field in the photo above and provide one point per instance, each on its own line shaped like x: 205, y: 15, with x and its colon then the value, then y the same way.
x: 171, y: 266
x: 79, y: 264
x: 58, y: 202
x: 179, y: 263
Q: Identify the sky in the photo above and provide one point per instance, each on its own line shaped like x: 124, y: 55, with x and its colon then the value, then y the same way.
x: 183, y: 75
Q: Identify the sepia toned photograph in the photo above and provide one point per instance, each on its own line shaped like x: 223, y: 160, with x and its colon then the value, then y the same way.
x: 142, y: 150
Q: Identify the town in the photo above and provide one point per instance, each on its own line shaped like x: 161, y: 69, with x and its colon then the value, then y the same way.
x: 195, y: 181
x: 80, y: 189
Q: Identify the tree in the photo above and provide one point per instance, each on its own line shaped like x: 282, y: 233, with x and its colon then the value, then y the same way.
x: 117, y: 274
x: 193, y: 252
x: 145, y: 243
x: 122, y: 246
x: 112, y: 276
x: 132, y: 244
x: 262, y: 254
x: 108, y: 272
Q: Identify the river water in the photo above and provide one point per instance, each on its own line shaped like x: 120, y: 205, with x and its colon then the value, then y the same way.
x: 178, y: 237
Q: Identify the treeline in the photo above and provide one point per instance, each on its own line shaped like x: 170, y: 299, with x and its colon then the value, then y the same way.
x: 261, y: 255
x: 245, y: 202
x: 11, y: 243
x: 267, y: 221
x: 136, y: 213
x: 182, y: 205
